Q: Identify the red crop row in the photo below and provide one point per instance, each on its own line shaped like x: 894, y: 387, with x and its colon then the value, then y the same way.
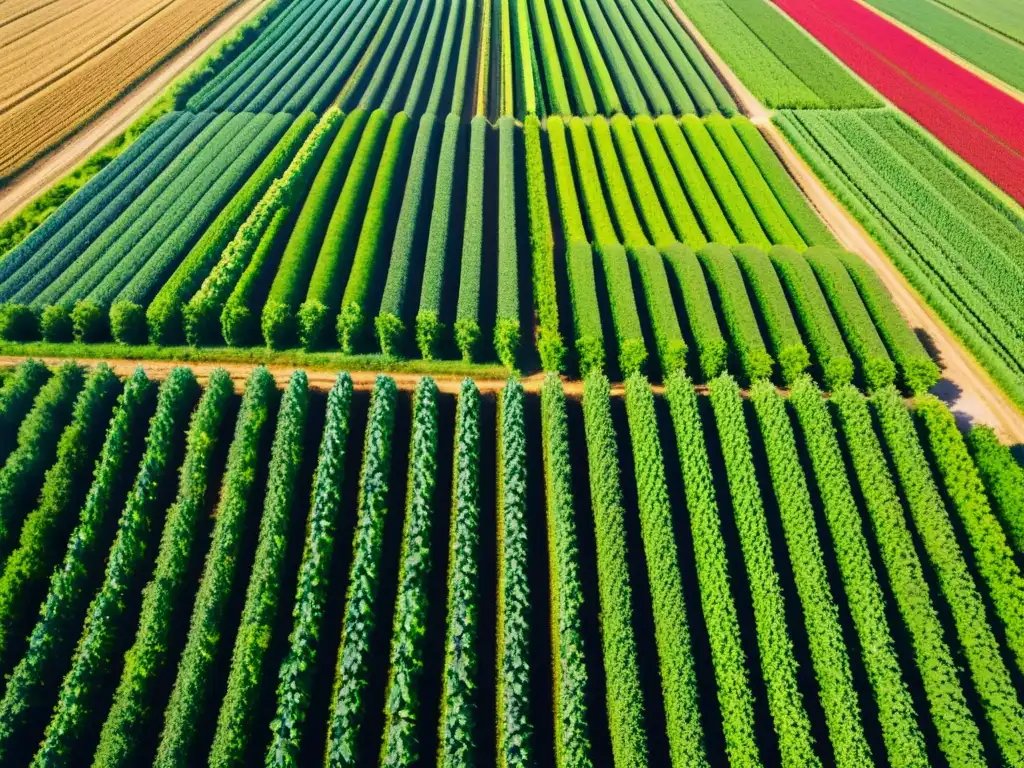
x: 976, y: 120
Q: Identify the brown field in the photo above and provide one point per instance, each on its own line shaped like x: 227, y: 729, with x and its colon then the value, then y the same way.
x: 63, y: 61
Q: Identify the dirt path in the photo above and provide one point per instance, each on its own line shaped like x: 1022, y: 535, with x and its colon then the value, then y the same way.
x: 54, y: 165
x: 966, y: 388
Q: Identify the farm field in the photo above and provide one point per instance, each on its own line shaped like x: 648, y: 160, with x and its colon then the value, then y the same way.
x: 543, y: 383
x: 979, y: 122
x: 65, y: 61
x: 748, y: 550
x: 779, y: 63
x: 958, y: 244
x: 985, y: 48
x: 1003, y: 16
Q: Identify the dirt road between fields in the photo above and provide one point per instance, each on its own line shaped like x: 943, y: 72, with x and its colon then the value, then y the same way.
x: 966, y: 388
x: 51, y: 167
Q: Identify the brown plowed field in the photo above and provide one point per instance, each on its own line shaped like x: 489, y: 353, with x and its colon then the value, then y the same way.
x: 56, y: 76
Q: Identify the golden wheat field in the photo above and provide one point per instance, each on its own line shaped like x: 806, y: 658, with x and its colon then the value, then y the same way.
x: 62, y: 62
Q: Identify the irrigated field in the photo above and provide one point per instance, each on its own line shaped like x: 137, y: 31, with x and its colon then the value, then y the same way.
x: 701, y: 577
x: 65, y: 61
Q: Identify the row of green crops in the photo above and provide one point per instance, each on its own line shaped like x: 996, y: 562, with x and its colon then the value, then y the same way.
x: 773, y: 57
x: 714, y: 614
x: 956, y: 243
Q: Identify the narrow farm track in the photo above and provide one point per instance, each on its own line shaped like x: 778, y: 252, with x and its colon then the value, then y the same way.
x: 965, y: 387
x: 50, y: 167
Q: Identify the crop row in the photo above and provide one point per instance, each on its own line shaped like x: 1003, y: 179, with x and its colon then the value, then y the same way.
x: 721, y: 574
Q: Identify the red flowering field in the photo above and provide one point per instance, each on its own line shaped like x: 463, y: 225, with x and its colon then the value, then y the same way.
x: 979, y: 122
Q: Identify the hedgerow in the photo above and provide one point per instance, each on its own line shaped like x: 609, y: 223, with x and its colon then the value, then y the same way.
x: 295, y: 678
x: 311, y: 224
x: 200, y: 132
x: 16, y: 398
x: 438, y: 245
x: 716, y: 171
x: 668, y: 605
x: 769, y: 211
x: 993, y: 558
x: 458, y: 700
x: 164, y: 593
x: 259, y: 615
x: 135, y: 281
x: 484, y: 56
x: 400, y: 745
x: 354, y: 88
x: 719, y: 608
x: 917, y: 369
x: 508, y: 59
x: 625, y: 317
x: 903, y: 739
x: 467, y: 320
x: 384, y: 75
x: 807, y: 222
x: 662, y: 84
x: 792, y: 355
x: 38, y: 436
x: 515, y: 728
x: 1003, y: 478
x: 685, y: 224
x: 712, y: 348
x: 95, y: 510
x: 629, y: 225
x: 371, y: 236
x: 580, y: 74
x: 815, y: 316
x: 981, y: 650
x: 358, y: 629
x: 524, y: 74
x: 624, y: 696
x: 598, y: 218
x: 724, y: 274
x: 858, y: 329
x: 828, y: 651
x: 699, y: 192
x: 388, y: 323
x: 778, y: 664
x: 61, y: 614
x: 188, y: 703
x: 97, y: 647
x: 506, y: 327
x: 542, y: 248
x: 63, y: 492
x: 200, y: 314
x: 959, y: 738
x: 572, y: 743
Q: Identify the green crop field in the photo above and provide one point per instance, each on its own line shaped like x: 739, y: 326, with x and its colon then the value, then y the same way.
x: 691, y: 562
x: 516, y: 383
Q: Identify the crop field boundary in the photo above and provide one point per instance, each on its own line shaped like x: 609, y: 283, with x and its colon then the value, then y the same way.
x: 53, y: 165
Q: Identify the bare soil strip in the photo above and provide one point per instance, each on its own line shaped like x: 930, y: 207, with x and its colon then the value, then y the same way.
x: 51, y: 167
x: 966, y: 387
